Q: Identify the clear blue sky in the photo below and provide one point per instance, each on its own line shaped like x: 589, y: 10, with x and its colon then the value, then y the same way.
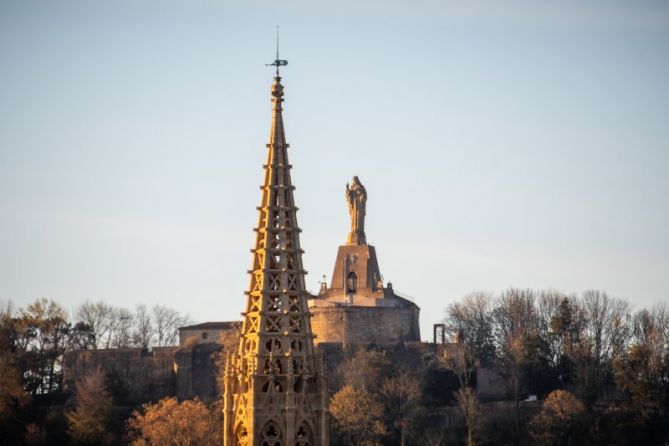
x: 520, y: 143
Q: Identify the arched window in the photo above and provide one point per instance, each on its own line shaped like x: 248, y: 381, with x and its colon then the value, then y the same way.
x: 271, y: 435
x: 303, y: 436
x: 352, y: 282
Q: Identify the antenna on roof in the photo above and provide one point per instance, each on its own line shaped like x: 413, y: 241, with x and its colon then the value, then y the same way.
x: 277, y: 62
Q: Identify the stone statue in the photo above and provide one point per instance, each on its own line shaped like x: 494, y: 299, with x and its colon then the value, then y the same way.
x: 356, y: 195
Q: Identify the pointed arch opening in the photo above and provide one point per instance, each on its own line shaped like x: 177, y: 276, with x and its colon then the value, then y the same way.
x: 271, y: 435
x: 303, y: 435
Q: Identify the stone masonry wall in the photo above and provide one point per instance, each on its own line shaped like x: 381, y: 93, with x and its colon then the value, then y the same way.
x: 133, y: 375
x: 353, y: 325
x: 196, y: 371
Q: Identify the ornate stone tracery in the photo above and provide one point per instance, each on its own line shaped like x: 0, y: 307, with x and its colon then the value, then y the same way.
x: 276, y: 378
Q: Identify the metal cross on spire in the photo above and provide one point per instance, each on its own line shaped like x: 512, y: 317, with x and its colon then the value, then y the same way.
x: 277, y: 62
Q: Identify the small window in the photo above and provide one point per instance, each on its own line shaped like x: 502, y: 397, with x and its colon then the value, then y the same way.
x: 205, y: 335
x: 351, y: 282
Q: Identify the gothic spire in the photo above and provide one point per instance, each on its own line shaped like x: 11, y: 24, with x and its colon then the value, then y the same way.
x: 279, y: 395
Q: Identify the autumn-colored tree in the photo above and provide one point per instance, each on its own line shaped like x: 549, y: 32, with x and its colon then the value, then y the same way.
x: 44, y: 329
x: 400, y: 395
x: 12, y: 394
x: 89, y: 421
x: 12, y: 399
x: 365, y: 370
x: 173, y: 423
x: 357, y: 415
x: 560, y: 422
x: 644, y: 371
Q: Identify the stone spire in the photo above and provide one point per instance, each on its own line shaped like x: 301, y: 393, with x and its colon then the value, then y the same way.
x: 277, y: 394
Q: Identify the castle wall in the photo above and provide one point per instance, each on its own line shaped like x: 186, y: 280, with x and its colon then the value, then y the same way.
x: 196, y: 371
x: 351, y: 325
x: 134, y: 375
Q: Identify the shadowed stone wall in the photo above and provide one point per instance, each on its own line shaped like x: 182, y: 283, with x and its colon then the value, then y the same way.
x: 134, y: 375
x: 196, y: 371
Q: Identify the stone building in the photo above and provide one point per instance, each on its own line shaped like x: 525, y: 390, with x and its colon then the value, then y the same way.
x: 207, y: 332
x: 358, y: 308
x: 136, y: 375
x: 195, y: 369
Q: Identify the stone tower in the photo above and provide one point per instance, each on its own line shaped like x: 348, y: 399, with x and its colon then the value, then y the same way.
x: 358, y: 307
x: 275, y: 392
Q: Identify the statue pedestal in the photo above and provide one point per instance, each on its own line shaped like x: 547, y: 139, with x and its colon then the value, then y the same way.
x: 356, y: 238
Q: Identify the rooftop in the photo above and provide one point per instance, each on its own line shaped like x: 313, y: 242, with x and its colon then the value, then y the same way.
x: 221, y: 325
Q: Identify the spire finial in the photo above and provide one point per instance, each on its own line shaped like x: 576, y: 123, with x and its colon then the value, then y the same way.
x: 277, y: 62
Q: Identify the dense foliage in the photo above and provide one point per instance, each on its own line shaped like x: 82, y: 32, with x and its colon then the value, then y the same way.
x: 615, y: 361
x: 33, y: 341
x: 173, y: 423
x: 599, y: 368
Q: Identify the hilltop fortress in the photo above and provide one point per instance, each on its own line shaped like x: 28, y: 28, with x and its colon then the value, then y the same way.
x: 358, y: 308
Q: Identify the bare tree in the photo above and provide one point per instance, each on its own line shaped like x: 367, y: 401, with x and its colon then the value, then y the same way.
x: 515, y: 313
x: 117, y: 327
x: 516, y: 321
x: 548, y: 306
x: 606, y: 333
x: 7, y: 309
x: 167, y: 322
x: 121, y: 336
x: 473, y: 319
x: 143, y: 332
x: 100, y: 317
x: 462, y: 361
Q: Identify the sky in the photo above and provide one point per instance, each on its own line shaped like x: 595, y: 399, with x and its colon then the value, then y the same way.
x: 502, y: 144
